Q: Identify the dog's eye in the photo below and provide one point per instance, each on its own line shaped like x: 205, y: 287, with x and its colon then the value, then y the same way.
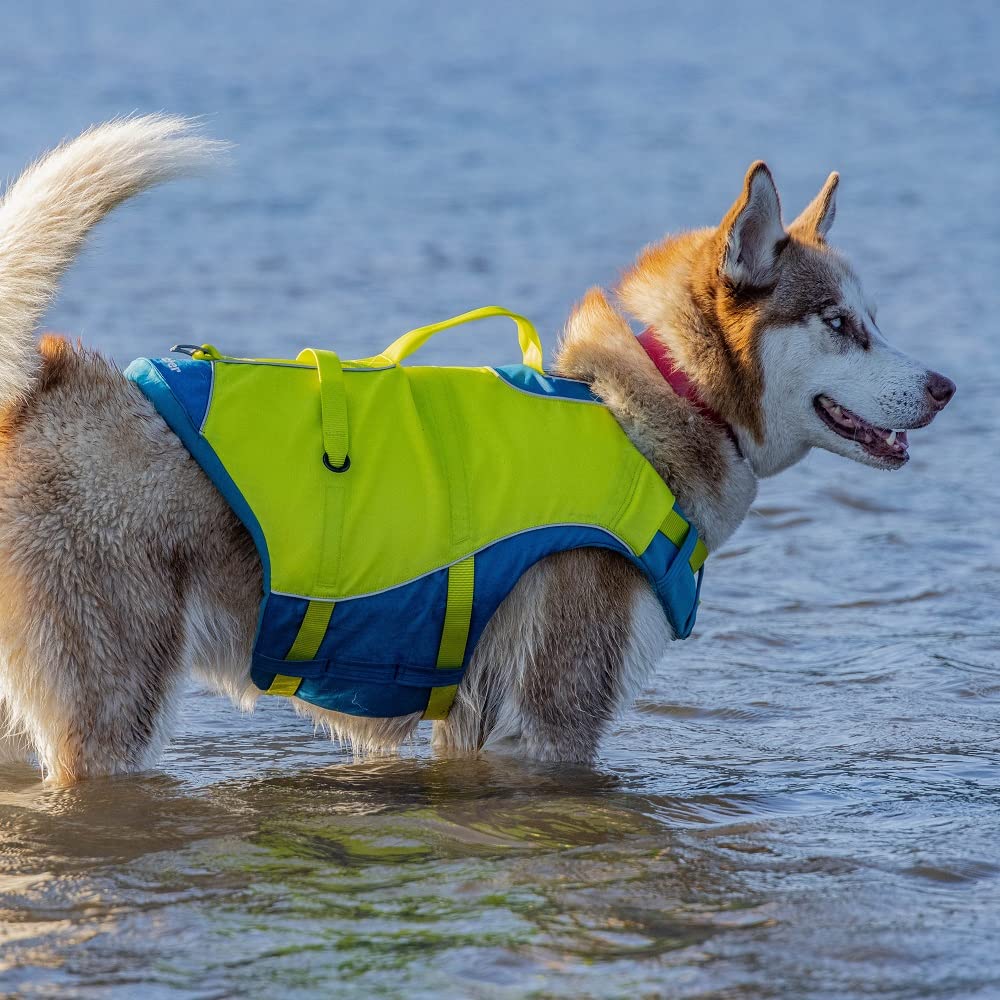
x: 835, y: 322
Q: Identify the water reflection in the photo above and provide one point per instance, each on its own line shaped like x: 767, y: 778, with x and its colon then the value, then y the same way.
x: 393, y: 863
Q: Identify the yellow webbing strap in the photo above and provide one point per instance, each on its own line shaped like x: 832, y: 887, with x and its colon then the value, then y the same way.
x: 454, y: 634
x: 527, y: 336
x: 284, y: 685
x: 676, y: 528
x: 333, y: 404
x: 306, y: 645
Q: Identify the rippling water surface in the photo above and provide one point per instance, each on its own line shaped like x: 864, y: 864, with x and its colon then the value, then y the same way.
x: 806, y: 801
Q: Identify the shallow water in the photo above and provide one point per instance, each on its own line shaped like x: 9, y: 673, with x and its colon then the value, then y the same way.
x: 806, y: 801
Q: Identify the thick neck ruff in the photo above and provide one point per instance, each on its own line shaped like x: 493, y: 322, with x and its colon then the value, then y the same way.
x: 679, y: 381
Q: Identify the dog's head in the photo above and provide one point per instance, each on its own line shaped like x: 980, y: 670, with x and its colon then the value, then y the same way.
x: 775, y: 326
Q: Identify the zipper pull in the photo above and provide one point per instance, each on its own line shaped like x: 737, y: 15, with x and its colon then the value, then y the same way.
x: 206, y: 352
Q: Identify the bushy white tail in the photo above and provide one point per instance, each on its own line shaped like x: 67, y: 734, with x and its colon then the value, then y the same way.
x: 47, y: 212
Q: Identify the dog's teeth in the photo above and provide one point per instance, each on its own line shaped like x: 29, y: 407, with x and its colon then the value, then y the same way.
x: 891, y: 439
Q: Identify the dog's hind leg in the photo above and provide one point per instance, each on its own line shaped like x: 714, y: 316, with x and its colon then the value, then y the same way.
x: 93, y: 633
x: 118, y: 561
x: 90, y: 688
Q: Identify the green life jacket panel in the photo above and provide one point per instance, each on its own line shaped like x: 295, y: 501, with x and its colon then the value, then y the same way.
x: 395, y: 507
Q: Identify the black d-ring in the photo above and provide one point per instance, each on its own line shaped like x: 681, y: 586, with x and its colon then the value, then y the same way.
x: 337, y: 468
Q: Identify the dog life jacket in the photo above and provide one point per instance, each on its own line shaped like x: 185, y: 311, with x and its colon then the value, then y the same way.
x: 395, y: 507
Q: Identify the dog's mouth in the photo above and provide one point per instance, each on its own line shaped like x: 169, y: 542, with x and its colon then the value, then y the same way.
x: 886, y: 445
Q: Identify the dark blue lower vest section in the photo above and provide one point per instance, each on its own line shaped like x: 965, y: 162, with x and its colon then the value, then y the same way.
x: 374, y: 658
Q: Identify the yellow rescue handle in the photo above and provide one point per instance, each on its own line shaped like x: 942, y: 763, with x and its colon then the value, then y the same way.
x: 527, y: 336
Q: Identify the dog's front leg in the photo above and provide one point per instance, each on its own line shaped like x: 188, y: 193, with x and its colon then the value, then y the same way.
x: 13, y: 744
x: 564, y: 653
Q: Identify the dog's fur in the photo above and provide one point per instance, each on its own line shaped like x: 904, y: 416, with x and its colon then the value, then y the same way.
x: 122, y: 569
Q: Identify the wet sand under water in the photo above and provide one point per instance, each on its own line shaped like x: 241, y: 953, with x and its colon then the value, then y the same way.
x: 806, y: 800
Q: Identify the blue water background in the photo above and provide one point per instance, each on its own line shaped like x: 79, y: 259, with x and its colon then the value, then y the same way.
x: 806, y: 802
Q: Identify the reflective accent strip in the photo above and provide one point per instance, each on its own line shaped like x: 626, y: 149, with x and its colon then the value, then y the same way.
x: 676, y: 528
x: 208, y: 404
x: 454, y: 633
x: 311, y: 632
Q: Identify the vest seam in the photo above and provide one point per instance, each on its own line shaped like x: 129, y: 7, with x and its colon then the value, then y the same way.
x: 447, y: 676
x: 208, y: 403
x: 292, y: 364
x: 462, y: 478
x: 442, y: 455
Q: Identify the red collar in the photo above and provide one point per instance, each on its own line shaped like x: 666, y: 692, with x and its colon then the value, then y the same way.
x: 680, y: 383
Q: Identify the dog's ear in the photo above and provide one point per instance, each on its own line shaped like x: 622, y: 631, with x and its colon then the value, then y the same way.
x: 752, y: 232
x: 817, y: 217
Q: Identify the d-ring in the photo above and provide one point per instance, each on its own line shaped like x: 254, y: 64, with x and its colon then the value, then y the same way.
x: 337, y: 468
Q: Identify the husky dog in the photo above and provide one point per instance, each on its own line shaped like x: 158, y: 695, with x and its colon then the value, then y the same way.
x: 122, y: 569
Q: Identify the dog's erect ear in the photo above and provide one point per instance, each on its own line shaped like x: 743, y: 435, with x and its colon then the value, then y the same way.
x: 752, y: 230
x: 817, y: 217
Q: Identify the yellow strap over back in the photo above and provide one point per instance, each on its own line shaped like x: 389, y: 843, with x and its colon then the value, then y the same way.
x: 527, y: 336
x: 333, y: 403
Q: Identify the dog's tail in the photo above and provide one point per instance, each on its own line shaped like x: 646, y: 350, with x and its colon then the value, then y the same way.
x: 47, y: 212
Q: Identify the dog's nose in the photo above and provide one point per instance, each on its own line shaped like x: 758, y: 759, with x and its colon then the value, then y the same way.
x: 940, y: 389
